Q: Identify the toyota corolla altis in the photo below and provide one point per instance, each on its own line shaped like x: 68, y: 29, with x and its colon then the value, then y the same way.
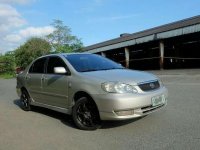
x: 89, y: 87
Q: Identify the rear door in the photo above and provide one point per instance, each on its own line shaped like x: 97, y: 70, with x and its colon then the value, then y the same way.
x: 34, y: 79
x: 55, y: 86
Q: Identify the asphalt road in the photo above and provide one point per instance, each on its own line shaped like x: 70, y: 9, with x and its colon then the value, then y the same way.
x: 177, y: 126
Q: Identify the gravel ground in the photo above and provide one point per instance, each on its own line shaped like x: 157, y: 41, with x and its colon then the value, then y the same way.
x: 177, y: 126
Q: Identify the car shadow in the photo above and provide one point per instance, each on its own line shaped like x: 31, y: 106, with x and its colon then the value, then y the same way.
x: 64, y: 118
x: 114, y: 124
x: 67, y: 119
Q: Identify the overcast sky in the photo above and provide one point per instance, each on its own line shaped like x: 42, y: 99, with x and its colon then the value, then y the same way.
x: 91, y: 20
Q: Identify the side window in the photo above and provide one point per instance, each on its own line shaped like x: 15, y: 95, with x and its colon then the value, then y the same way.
x: 38, y: 66
x: 55, y: 62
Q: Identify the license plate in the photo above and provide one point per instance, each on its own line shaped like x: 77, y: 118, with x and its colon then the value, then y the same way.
x: 158, y: 100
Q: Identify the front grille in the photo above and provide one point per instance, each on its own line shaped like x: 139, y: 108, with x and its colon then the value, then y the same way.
x: 149, y: 86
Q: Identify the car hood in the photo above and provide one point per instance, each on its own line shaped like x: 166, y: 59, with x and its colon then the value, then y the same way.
x: 121, y: 75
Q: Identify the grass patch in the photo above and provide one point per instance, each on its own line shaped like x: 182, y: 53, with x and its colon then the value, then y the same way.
x: 7, y: 76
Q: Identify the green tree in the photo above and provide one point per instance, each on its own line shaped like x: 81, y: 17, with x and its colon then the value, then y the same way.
x: 7, y: 63
x: 2, y: 64
x: 61, y: 40
x: 32, y: 49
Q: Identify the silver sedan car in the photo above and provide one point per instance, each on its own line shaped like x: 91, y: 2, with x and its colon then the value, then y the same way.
x: 89, y: 87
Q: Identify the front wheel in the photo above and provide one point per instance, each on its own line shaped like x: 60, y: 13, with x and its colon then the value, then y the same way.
x: 85, y: 114
x: 25, y: 100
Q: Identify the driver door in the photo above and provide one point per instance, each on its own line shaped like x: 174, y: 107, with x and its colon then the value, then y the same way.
x: 55, y: 86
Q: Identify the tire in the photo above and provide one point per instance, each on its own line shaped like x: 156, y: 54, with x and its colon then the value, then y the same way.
x: 85, y: 114
x: 25, y: 100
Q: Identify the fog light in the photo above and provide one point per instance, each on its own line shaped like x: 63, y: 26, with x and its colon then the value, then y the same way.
x: 125, y: 112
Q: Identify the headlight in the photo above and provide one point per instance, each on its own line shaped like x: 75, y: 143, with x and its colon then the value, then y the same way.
x: 116, y: 87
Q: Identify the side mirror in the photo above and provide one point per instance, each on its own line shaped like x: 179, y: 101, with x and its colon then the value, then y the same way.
x: 60, y: 70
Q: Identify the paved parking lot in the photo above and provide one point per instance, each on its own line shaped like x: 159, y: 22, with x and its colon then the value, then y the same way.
x: 177, y: 126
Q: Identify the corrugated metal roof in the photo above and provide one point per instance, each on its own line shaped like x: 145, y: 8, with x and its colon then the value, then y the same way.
x: 161, y: 31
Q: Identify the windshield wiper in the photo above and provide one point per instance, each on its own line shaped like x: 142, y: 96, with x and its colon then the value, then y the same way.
x: 111, y: 68
x: 89, y: 70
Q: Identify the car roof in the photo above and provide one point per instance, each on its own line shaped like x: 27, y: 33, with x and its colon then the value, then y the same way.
x: 63, y: 54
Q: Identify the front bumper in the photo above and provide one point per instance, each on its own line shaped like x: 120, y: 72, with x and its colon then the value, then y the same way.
x: 139, y: 104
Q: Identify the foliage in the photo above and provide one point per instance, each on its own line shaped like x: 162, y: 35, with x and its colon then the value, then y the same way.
x: 7, y: 63
x: 33, y: 48
x: 61, y: 40
x: 7, y: 75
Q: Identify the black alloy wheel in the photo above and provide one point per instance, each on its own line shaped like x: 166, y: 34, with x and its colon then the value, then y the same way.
x: 85, y: 114
x: 25, y: 100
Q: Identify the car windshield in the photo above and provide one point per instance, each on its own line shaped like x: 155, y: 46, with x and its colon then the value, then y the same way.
x: 91, y: 62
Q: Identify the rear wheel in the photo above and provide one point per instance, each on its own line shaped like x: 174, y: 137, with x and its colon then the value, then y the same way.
x: 85, y: 114
x: 25, y: 100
